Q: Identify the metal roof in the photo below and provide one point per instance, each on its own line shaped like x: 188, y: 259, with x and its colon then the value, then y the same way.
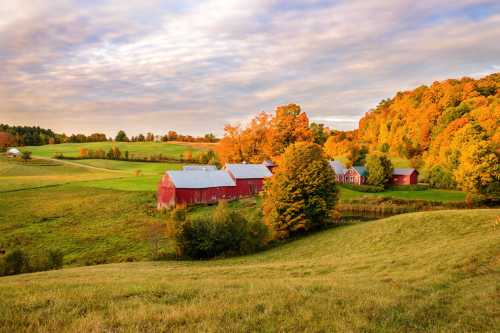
x: 13, y: 151
x: 248, y: 171
x: 338, y: 167
x: 403, y: 171
x: 199, y: 167
x: 268, y: 163
x: 361, y: 170
x: 200, y: 178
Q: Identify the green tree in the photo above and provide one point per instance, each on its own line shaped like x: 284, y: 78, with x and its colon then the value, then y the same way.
x: 121, y: 137
x: 441, y: 177
x: 302, y: 193
x: 379, y: 169
x: 319, y: 133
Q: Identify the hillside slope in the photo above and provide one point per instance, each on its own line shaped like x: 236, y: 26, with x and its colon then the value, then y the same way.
x: 429, y: 271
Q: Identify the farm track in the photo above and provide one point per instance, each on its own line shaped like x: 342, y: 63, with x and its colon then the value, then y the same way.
x: 82, y: 165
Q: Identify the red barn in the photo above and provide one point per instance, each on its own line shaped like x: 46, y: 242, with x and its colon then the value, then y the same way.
x: 355, y: 175
x: 249, y: 178
x: 195, y: 187
x: 404, y: 176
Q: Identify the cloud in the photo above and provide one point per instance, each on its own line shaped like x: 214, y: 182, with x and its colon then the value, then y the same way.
x: 193, y: 66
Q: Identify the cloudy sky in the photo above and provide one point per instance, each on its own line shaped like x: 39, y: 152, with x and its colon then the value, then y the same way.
x: 192, y: 66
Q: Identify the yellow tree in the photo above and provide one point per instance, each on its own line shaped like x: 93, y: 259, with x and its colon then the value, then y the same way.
x: 479, y: 169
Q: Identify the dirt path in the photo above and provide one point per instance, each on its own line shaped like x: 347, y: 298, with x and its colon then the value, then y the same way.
x: 81, y: 165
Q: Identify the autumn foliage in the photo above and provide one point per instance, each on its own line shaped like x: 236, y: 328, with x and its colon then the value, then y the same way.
x: 265, y: 137
x: 434, y: 126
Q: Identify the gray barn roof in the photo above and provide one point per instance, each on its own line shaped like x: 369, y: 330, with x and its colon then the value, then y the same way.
x: 248, y: 171
x: 199, y: 167
x: 338, y: 167
x: 200, y: 178
x: 403, y: 171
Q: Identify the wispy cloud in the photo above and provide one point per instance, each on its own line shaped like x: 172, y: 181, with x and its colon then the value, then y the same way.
x: 193, y: 66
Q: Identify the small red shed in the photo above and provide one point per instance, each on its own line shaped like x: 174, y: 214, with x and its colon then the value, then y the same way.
x: 249, y: 178
x: 195, y: 187
x: 404, y: 176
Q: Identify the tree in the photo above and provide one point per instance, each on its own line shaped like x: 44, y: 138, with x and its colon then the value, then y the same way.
x: 441, y: 177
x: 121, y: 137
x: 289, y: 125
x: 479, y: 169
x: 379, y: 169
x: 172, y: 135
x: 7, y: 140
x: 302, y: 194
x: 319, y: 133
x: 26, y: 155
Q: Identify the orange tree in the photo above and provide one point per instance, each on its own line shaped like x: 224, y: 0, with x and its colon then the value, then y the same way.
x: 302, y: 194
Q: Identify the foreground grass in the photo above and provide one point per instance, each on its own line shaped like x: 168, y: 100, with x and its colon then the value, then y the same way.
x: 421, y: 272
x: 138, y: 149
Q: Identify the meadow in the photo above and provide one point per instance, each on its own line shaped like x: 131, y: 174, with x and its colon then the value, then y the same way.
x: 137, y: 149
x: 419, y: 272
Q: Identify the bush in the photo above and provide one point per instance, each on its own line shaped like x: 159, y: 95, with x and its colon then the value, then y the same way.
x: 440, y: 177
x: 55, y: 259
x: 364, y: 188
x: 15, y: 262
x: 224, y: 233
x: 18, y: 262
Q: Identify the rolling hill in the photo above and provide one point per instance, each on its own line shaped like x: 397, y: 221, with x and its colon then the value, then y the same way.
x: 420, y: 272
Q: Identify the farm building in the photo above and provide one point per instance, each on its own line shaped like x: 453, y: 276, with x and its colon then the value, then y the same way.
x: 404, y: 176
x: 355, y: 175
x: 199, y: 185
x: 13, y: 152
x: 249, y: 178
x: 269, y: 164
x: 339, y: 169
x: 199, y: 167
x: 195, y: 187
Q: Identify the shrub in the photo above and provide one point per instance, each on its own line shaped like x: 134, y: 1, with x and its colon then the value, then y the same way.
x: 55, y: 259
x: 224, y: 233
x: 15, y: 262
x: 440, y: 177
x: 364, y: 188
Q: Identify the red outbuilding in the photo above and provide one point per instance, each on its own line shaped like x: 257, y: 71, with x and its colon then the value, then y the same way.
x: 404, y: 176
x: 249, y: 178
x: 195, y: 187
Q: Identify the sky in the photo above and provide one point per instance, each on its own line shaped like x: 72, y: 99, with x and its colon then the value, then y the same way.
x: 193, y: 66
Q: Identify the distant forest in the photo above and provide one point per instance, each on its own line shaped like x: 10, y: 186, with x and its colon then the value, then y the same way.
x: 36, y: 136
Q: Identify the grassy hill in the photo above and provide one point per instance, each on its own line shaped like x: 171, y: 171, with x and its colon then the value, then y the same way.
x: 138, y: 149
x: 420, y: 272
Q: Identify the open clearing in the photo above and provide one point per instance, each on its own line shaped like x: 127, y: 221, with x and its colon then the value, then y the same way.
x: 137, y: 149
x: 429, y: 271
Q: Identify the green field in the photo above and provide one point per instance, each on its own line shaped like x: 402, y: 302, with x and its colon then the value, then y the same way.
x: 137, y: 149
x: 419, y: 272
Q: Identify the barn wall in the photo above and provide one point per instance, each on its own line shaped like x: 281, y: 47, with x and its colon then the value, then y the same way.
x: 249, y: 187
x: 166, y: 193
x: 188, y: 196
x: 352, y: 177
x: 405, y: 180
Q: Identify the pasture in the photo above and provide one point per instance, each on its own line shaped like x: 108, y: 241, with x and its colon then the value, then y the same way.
x: 428, y: 195
x: 137, y: 149
x: 419, y: 272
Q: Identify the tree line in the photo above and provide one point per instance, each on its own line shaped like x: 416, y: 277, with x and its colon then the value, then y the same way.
x: 11, y: 136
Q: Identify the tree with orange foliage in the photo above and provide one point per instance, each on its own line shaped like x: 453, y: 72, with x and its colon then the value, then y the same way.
x: 7, y: 140
x: 289, y: 125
